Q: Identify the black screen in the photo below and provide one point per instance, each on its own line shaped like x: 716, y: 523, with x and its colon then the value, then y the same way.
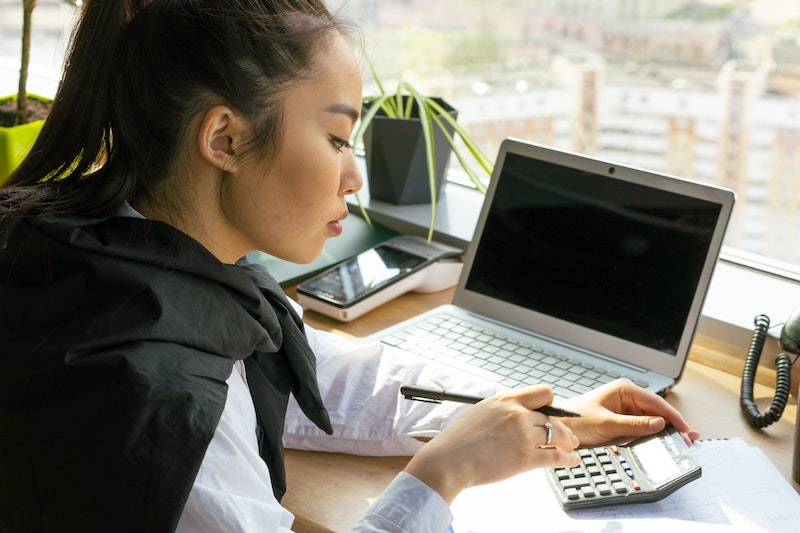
x: 353, y: 279
x: 610, y: 255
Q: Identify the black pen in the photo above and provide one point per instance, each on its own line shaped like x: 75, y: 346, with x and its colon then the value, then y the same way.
x: 425, y: 394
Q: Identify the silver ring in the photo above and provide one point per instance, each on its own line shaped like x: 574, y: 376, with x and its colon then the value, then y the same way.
x: 549, y: 428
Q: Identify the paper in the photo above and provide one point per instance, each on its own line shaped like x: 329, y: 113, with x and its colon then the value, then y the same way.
x: 740, y: 490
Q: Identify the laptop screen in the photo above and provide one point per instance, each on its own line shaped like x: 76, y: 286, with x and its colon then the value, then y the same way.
x: 615, y: 256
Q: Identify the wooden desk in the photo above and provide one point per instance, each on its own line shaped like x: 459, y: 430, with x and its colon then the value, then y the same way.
x: 331, y: 492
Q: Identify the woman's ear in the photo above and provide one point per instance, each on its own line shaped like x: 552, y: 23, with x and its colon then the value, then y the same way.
x: 221, y: 132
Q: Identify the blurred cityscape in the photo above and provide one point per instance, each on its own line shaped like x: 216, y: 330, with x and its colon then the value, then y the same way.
x: 702, y: 90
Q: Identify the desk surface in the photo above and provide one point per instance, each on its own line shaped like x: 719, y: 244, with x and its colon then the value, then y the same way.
x: 331, y: 492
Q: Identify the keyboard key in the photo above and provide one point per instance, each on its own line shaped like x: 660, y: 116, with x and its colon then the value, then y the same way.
x: 565, y: 365
x: 522, y: 377
x: 579, y: 389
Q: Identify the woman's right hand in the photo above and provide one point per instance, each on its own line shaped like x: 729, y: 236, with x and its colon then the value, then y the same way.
x: 497, y: 438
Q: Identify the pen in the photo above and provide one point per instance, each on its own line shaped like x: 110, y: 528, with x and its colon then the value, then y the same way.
x: 425, y: 394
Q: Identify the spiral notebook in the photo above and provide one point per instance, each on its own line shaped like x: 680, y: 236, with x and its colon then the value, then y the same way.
x: 584, y: 266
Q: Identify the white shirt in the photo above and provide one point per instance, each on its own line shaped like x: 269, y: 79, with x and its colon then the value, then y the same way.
x: 232, y: 492
x: 360, y: 387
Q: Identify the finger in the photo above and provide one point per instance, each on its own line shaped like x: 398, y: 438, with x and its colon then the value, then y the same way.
x: 555, y: 458
x: 534, y: 396
x: 556, y: 435
x: 689, y: 437
x: 671, y: 416
x: 548, y: 435
x: 627, y: 427
x: 656, y: 406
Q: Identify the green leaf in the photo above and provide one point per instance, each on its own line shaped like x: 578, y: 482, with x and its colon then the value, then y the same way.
x: 426, y: 121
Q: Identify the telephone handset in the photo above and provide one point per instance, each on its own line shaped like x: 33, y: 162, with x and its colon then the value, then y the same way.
x: 790, y: 342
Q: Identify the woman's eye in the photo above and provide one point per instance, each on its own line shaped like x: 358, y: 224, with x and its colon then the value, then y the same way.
x: 339, y: 143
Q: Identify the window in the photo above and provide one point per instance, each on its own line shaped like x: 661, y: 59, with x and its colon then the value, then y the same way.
x: 707, y: 91
x: 52, y: 23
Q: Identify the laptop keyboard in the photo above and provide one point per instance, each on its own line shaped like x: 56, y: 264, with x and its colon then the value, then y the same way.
x: 512, y: 361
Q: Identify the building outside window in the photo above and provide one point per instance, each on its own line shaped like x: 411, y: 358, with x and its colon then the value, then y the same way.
x: 708, y: 91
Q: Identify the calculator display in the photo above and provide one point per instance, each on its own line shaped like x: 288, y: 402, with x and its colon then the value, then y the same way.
x: 646, y: 470
x: 656, y: 461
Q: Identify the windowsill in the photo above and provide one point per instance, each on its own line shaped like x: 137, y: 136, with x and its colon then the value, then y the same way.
x: 737, y: 293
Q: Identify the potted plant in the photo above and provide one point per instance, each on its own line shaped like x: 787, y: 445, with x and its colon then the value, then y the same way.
x: 22, y: 114
x: 408, y: 139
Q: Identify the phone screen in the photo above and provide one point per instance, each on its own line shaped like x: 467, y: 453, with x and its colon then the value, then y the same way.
x: 355, y: 278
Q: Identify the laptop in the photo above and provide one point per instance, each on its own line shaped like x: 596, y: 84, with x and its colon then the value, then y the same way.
x: 580, y: 271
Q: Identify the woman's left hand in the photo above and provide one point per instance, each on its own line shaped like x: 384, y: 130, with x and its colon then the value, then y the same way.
x: 619, y: 412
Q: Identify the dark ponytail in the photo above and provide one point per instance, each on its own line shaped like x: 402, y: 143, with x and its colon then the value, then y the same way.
x: 77, y: 131
x: 136, y: 73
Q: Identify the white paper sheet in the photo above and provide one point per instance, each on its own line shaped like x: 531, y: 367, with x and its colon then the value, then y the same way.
x: 740, y: 490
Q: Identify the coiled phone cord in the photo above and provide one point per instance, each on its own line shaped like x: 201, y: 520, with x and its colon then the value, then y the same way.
x: 783, y: 366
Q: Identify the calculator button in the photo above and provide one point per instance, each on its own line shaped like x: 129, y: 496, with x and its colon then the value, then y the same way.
x: 636, y: 486
x: 615, y: 478
x: 620, y: 487
x: 562, y: 473
x: 572, y: 494
x: 626, y: 467
x: 603, y: 489
x: 588, y: 492
x: 574, y: 483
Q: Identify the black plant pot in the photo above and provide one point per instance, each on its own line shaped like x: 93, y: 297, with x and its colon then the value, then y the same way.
x: 396, y: 162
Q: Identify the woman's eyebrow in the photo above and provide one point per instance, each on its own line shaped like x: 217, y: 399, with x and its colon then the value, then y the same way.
x: 344, y: 109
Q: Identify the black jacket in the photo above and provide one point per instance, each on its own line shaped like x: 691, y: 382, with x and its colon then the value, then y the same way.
x: 116, y: 339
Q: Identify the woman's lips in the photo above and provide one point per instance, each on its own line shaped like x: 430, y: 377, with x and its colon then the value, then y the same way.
x: 335, y: 226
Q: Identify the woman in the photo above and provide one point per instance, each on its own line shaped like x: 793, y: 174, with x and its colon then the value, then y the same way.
x: 146, y: 367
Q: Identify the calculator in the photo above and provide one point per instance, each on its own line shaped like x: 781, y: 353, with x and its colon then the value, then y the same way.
x: 646, y: 470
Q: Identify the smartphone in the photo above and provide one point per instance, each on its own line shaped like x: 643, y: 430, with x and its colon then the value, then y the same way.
x: 645, y: 470
x: 372, y: 278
